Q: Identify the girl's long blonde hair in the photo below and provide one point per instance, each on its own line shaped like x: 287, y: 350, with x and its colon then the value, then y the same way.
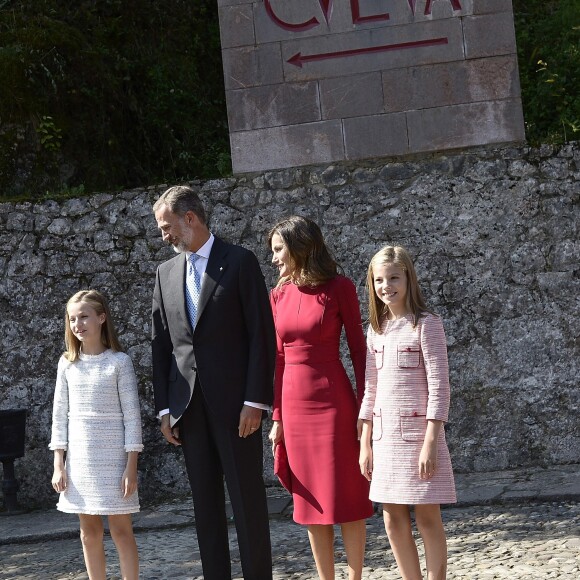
x: 98, y: 302
x: 398, y: 256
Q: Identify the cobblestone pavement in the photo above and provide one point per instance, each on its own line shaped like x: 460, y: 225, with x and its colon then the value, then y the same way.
x: 532, y: 541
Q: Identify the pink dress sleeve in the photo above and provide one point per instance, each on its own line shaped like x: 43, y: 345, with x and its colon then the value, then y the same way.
x: 279, y: 372
x: 350, y: 314
x: 434, y: 348
x: 368, y: 403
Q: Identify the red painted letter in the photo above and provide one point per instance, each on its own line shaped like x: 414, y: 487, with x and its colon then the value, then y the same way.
x: 454, y: 3
x: 358, y: 19
x: 295, y: 27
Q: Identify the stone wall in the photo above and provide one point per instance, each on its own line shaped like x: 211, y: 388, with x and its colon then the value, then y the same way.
x: 319, y: 82
x: 495, y: 235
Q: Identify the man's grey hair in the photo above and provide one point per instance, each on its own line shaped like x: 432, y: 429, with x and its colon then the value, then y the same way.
x: 180, y: 199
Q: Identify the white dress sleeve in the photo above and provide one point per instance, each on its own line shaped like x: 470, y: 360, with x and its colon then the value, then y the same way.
x: 59, y: 435
x: 129, y: 399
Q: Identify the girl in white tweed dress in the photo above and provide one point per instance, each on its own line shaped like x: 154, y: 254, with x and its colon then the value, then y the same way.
x: 96, y: 424
x: 403, y: 450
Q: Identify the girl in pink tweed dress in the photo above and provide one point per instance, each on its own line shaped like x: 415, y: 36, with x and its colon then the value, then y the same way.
x: 403, y: 450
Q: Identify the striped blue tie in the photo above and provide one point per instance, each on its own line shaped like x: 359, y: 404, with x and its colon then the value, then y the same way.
x: 193, y: 286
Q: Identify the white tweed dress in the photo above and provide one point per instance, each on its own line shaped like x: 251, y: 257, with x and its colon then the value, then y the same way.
x: 407, y: 383
x: 96, y: 419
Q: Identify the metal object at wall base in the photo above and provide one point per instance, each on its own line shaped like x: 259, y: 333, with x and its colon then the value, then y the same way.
x: 9, y: 489
x: 12, y: 437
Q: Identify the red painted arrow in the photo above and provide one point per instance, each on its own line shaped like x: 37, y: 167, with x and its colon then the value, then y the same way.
x: 298, y: 60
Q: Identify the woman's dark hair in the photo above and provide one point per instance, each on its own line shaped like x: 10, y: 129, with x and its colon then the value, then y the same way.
x: 311, y: 260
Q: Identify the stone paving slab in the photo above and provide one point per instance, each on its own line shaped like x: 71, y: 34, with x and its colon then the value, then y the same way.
x: 499, y: 487
x: 522, y: 541
x: 560, y: 482
x: 41, y: 525
x: 507, y: 525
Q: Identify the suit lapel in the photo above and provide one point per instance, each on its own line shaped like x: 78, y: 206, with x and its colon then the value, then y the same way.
x: 216, y: 266
x: 176, y: 284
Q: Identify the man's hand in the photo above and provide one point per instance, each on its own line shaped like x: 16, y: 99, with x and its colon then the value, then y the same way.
x: 170, y: 433
x: 250, y: 419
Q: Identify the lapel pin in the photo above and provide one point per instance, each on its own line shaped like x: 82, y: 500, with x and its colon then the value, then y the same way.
x: 221, y: 268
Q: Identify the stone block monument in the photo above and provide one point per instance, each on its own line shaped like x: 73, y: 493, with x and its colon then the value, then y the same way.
x: 318, y: 81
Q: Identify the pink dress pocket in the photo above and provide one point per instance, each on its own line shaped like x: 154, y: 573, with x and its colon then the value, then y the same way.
x: 379, y: 355
x: 377, y: 425
x: 408, y: 355
x: 413, y: 425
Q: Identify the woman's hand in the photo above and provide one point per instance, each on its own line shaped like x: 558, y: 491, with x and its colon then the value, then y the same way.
x: 359, y: 428
x: 428, y: 455
x: 428, y: 460
x: 59, y: 474
x: 129, y: 479
x: 129, y: 482
x: 59, y: 479
x: 365, y: 460
x: 276, y: 434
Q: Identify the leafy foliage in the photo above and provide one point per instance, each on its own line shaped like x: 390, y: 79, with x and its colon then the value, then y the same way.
x: 112, y: 93
x: 548, y: 39
x: 107, y: 94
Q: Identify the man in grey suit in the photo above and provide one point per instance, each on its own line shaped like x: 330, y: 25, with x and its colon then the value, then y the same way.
x: 213, y: 364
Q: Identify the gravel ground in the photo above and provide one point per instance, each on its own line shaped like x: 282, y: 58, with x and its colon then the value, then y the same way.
x: 532, y: 541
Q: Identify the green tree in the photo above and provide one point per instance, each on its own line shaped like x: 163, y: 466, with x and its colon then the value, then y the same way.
x: 125, y: 93
x: 548, y: 40
x: 109, y: 93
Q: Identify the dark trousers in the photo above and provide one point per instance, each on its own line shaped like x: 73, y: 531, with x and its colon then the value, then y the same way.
x: 212, y: 451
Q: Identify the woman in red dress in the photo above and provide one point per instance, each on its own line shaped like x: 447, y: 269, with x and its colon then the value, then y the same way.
x: 315, y: 408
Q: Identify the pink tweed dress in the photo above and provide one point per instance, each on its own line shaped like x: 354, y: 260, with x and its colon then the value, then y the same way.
x: 407, y: 383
